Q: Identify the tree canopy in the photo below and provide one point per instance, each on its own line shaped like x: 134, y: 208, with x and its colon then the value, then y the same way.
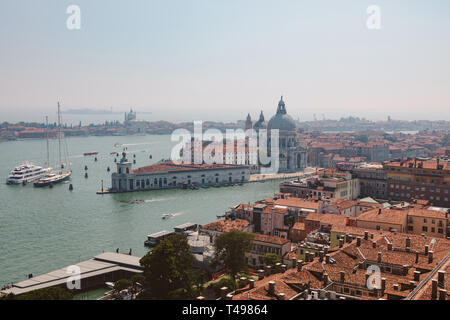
x: 168, y: 269
x: 446, y: 140
x: 230, y: 249
x: 271, y: 259
x: 52, y: 293
x: 362, y: 138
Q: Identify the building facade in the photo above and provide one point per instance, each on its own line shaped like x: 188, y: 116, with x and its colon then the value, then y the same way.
x: 419, y: 179
x: 166, y: 175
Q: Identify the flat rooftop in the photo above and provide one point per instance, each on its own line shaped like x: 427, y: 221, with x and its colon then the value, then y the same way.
x: 169, y: 166
x: 101, y: 264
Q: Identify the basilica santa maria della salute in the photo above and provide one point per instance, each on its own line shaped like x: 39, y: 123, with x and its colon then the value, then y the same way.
x: 292, y: 156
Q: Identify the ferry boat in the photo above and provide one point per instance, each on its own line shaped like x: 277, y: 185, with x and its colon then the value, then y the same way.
x: 27, y: 172
x: 90, y: 153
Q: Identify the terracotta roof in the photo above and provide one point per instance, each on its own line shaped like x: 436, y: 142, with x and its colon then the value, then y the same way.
x: 332, y: 219
x: 298, y: 203
x: 227, y: 225
x: 384, y: 216
x: 270, y: 239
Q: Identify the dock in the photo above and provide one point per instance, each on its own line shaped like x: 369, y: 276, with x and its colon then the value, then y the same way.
x: 108, y: 266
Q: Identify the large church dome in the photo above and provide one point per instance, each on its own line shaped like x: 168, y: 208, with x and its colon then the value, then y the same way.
x: 281, y: 120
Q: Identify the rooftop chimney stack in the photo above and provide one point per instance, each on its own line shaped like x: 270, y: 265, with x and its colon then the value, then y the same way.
x: 374, y: 244
x: 366, y: 235
x: 442, y: 294
x: 430, y: 256
x: 299, y: 265
x: 426, y: 249
x: 383, y: 285
x: 416, y: 276
x: 272, y: 287
x: 342, y: 274
x: 251, y: 283
x: 341, y: 243
x: 358, y: 241
x: 379, y: 257
x: 434, y: 286
x: 327, y: 258
x: 390, y: 246
x: 441, y: 278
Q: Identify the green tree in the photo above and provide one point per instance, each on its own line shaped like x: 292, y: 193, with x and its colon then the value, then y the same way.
x: 138, y: 278
x: 362, y: 138
x: 122, y: 284
x: 230, y: 249
x: 168, y: 268
x: 52, y: 293
x: 271, y: 259
x: 446, y: 140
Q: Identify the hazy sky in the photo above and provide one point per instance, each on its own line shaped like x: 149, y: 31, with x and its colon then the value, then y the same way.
x: 220, y: 59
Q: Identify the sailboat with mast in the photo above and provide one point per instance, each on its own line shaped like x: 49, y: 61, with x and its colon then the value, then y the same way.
x: 60, y: 174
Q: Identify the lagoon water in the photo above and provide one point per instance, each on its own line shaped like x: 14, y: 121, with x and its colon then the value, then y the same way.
x: 43, y: 229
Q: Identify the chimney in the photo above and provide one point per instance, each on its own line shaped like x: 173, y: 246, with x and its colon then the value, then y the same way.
x: 283, y: 268
x: 325, y: 250
x: 434, y: 286
x: 417, y: 257
x: 408, y: 244
x: 371, y: 236
x: 426, y: 249
x: 430, y: 256
x: 294, y: 262
x: 251, y: 283
x: 327, y: 258
x: 366, y: 235
x: 321, y: 254
x: 358, y: 241
x: 417, y: 276
x: 281, y: 296
x: 260, y: 274
x: 390, y: 246
x: 272, y: 287
x: 268, y: 270
x: 374, y: 244
x: 395, y: 286
x: 299, y: 265
x: 341, y: 243
x: 379, y: 257
x: 383, y: 285
x: 342, y: 274
x: 277, y: 267
x: 441, y: 278
x: 223, y: 292
x: 442, y: 294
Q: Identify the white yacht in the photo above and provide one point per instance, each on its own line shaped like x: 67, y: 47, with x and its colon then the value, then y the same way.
x: 27, y: 172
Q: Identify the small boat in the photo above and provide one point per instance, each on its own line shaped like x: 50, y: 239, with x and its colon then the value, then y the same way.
x: 167, y: 215
x: 90, y: 153
x: 109, y: 285
x: 113, y: 153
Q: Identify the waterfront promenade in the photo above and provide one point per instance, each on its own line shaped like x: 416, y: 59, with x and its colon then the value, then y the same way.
x: 280, y: 176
